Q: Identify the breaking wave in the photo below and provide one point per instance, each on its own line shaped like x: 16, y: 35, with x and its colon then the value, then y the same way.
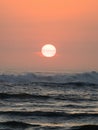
x: 77, y: 79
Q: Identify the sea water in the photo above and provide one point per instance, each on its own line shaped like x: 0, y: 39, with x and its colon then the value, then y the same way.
x: 49, y: 101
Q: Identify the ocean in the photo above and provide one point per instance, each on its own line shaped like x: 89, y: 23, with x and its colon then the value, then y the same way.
x: 49, y: 101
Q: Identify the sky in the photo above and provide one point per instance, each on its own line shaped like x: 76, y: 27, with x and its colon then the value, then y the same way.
x: 70, y: 25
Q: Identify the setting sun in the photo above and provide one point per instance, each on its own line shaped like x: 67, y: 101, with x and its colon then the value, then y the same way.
x: 48, y: 50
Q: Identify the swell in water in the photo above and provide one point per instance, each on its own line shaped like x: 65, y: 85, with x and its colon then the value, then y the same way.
x: 34, y: 101
x: 88, y: 77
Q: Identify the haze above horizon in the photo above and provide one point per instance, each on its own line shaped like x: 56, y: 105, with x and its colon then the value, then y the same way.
x: 70, y: 25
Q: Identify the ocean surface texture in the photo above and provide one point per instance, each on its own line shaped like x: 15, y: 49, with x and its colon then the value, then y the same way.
x: 49, y: 101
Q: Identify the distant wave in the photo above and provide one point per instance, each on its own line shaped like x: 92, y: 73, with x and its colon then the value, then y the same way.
x: 78, y: 78
x: 52, y: 84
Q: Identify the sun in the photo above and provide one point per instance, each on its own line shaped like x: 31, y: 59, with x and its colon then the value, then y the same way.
x: 48, y: 50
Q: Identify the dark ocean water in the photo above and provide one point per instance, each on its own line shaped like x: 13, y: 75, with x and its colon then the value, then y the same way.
x: 36, y: 101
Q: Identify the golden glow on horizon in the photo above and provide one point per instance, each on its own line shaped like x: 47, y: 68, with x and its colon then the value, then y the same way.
x: 48, y: 50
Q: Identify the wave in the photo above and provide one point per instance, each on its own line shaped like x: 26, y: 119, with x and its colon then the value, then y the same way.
x: 23, y: 125
x: 77, y: 79
x: 52, y: 84
x: 58, y: 97
x: 48, y: 114
x: 23, y: 96
x: 9, y: 125
x: 17, y: 124
x: 85, y: 127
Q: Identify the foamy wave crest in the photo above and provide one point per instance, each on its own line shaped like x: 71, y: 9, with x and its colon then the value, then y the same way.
x: 90, y: 77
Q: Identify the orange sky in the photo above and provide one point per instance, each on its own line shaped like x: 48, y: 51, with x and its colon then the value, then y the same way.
x: 71, y: 25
